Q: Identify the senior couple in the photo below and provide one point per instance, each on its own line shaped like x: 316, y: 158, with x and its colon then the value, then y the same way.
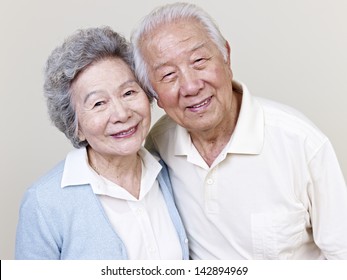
x: 251, y: 178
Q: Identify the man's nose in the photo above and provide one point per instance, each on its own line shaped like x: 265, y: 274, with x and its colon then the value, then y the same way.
x: 190, y: 83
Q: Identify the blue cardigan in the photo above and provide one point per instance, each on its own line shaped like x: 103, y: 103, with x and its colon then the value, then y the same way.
x: 70, y: 223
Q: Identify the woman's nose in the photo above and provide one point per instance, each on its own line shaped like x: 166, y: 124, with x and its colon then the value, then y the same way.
x: 120, y: 112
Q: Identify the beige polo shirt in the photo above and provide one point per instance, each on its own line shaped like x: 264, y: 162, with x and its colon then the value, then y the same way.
x: 275, y: 192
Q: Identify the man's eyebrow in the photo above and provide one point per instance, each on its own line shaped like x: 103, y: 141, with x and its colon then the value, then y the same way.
x: 158, y: 66
x: 198, y: 46
x: 125, y: 84
x: 193, y: 49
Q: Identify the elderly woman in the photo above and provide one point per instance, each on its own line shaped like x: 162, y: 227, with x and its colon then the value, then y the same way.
x: 110, y: 198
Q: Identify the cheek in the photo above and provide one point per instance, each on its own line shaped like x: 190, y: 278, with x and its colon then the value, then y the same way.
x: 146, y: 109
x: 167, y: 93
x: 89, y: 126
x: 83, y: 130
x: 168, y: 97
x: 221, y: 75
x: 141, y: 107
x: 145, y: 114
x: 226, y: 73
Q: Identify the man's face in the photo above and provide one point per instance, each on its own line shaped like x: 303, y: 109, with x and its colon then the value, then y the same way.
x: 189, y: 74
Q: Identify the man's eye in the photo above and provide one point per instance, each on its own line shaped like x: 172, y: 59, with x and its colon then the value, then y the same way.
x: 168, y: 75
x: 200, y: 61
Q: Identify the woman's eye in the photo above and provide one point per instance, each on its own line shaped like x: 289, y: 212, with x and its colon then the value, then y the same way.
x: 99, y: 103
x: 129, y: 93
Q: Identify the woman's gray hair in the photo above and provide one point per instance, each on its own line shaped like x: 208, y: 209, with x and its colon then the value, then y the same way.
x: 164, y: 15
x: 78, y: 51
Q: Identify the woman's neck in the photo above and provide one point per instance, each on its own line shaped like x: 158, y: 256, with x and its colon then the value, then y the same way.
x: 123, y: 171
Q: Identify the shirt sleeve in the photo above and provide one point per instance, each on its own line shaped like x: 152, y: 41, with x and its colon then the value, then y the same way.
x: 34, y: 240
x: 328, y: 194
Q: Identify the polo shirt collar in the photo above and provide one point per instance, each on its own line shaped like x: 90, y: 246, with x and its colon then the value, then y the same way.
x: 248, y: 136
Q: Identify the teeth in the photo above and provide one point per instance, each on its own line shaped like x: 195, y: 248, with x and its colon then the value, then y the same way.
x: 126, y: 132
x: 201, y: 104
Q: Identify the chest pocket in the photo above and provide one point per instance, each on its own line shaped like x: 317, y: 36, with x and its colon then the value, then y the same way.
x: 277, y: 235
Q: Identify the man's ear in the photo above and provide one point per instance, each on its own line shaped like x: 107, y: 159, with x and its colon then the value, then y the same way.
x: 159, y: 103
x: 229, y: 51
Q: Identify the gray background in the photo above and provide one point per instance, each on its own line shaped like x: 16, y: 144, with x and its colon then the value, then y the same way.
x: 292, y: 51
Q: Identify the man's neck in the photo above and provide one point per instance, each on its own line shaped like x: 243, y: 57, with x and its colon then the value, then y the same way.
x: 211, y: 143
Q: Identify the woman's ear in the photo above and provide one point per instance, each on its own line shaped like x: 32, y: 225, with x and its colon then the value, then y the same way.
x: 81, y: 136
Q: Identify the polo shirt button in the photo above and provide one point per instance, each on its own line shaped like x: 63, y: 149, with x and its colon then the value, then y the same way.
x: 186, y: 240
x: 210, y: 181
x: 139, y: 211
x: 151, y: 249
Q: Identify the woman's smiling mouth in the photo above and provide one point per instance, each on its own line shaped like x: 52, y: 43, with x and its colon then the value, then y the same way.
x: 125, y: 133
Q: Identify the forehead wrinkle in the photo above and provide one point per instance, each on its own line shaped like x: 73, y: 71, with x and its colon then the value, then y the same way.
x: 197, y: 46
x: 161, y: 38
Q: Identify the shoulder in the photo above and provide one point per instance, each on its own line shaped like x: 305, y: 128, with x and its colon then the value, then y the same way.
x: 50, y: 181
x: 43, y: 194
x: 47, y: 193
x: 292, y: 128
x: 161, y: 133
x: 164, y: 125
x: 289, y: 119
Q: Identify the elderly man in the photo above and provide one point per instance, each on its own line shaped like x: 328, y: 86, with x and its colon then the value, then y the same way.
x: 253, y: 179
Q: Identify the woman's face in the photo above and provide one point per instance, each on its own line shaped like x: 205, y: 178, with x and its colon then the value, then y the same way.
x: 112, y: 109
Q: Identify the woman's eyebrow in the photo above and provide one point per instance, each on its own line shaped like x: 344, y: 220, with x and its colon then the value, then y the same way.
x: 122, y: 85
